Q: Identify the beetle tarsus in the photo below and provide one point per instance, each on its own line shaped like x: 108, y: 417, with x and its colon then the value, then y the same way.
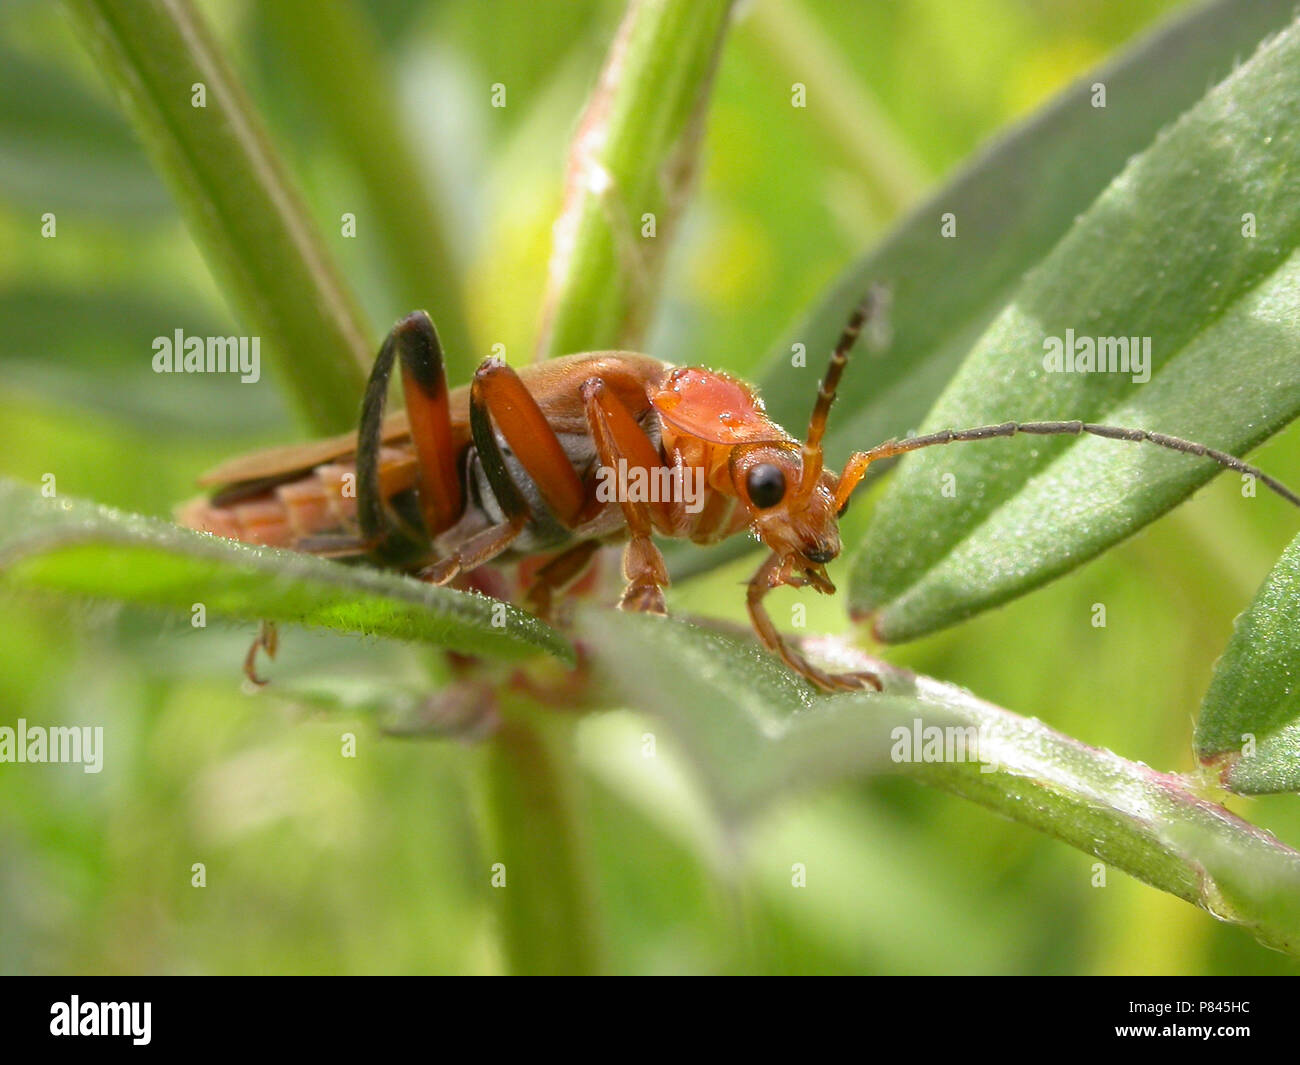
x: 643, y: 599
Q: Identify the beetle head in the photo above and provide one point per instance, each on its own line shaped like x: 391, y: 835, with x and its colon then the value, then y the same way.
x: 791, y: 503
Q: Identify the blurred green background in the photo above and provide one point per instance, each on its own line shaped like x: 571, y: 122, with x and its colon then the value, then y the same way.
x: 375, y: 864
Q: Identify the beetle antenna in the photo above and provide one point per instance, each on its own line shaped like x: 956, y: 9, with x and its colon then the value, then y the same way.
x: 856, y: 467
x: 865, y: 312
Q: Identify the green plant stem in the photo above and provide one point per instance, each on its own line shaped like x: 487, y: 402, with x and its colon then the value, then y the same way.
x: 634, y: 155
x: 546, y: 906
x: 236, y: 198
x: 344, y: 76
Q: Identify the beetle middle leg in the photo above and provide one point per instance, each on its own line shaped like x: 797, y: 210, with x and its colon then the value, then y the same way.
x: 497, y: 395
x: 618, y: 436
x: 558, y: 573
x: 496, y: 389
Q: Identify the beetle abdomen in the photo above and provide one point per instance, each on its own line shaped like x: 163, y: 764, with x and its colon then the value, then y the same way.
x: 321, y: 502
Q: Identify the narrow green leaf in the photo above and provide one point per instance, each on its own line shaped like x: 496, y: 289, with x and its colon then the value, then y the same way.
x: 751, y: 727
x: 1249, y: 728
x: 633, y: 156
x: 78, y: 548
x: 753, y: 731
x: 236, y: 197
x: 1012, y: 203
x: 1191, y: 256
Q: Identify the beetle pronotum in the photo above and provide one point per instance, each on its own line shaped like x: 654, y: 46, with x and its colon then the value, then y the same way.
x: 508, y: 465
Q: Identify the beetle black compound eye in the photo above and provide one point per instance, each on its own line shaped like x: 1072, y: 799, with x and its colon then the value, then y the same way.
x: 765, y: 484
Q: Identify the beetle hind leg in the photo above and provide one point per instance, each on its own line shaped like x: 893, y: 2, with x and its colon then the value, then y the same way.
x: 268, y: 640
x: 413, y: 342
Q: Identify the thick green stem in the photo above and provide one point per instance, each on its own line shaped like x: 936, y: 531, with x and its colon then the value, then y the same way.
x: 236, y: 197
x: 545, y: 899
x: 631, y: 167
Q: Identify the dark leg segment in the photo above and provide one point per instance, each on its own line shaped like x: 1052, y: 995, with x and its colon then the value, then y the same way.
x: 424, y: 383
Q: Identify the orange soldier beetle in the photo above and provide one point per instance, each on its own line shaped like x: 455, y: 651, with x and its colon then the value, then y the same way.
x: 507, y: 467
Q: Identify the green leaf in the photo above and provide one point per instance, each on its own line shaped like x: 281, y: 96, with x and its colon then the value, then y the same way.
x: 78, y: 548
x: 1254, y: 695
x: 1013, y: 202
x: 759, y: 735
x: 236, y: 197
x: 634, y: 154
x: 1165, y: 256
x: 753, y: 731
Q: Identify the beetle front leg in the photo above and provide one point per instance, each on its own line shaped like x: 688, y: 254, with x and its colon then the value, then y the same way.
x: 772, y: 574
x: 618, y: 436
